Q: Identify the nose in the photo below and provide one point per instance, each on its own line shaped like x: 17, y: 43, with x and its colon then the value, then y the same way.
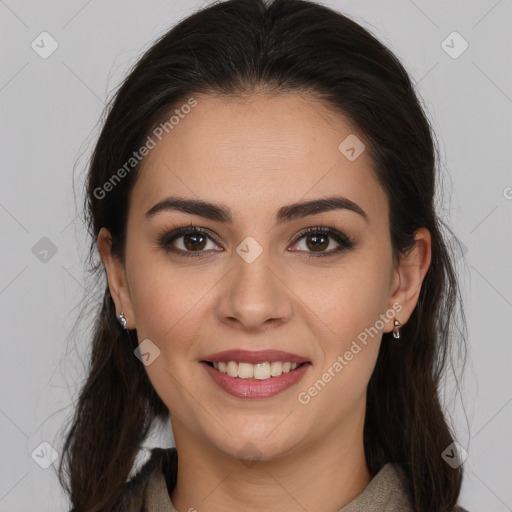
x: 254, y: 295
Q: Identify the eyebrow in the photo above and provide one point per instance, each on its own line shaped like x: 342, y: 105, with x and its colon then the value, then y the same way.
x: 221, y: 213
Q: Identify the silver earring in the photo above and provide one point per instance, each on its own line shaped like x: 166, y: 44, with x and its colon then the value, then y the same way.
x: 396, y: 329
x: 122, y: 320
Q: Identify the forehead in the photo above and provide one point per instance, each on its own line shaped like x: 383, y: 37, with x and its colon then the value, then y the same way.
x: 255, y: 152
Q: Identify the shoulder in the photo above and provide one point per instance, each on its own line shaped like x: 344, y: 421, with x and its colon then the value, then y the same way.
x: 391, y: 481
x: 161, y: 460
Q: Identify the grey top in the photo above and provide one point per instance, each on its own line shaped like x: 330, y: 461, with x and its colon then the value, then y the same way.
x: 149, y: 491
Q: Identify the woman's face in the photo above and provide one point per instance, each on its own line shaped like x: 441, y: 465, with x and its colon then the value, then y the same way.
x: 255, y: 283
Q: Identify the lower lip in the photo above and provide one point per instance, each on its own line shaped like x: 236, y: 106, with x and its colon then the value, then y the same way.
x: 255, y: 388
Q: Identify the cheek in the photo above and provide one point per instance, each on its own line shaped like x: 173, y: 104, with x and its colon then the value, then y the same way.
x: 167, y: 304
x: 348, y: 308
x: 348, y: 298
x: 349, y: 349
x: 164, y: 291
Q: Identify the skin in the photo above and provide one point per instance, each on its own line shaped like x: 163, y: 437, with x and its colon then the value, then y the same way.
x: 255, y: 155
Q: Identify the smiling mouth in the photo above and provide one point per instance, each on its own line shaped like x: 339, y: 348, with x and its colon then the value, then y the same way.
x: 258, y: 371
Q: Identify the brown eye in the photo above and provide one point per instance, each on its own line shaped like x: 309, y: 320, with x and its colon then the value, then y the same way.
x: 320, y: 242
x: 194, y: 241
x: 317, y: 240
x: 187, y: 240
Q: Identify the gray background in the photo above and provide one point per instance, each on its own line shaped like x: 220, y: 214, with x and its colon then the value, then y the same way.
x: 50, y: 113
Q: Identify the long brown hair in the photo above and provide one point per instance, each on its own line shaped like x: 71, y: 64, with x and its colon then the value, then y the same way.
x: 237, y: 47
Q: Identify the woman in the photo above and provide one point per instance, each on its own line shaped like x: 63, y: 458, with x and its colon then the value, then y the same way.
x: 279, y: 291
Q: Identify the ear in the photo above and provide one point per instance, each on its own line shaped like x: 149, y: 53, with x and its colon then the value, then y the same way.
x: 116, y: 277
x: 409, y: 275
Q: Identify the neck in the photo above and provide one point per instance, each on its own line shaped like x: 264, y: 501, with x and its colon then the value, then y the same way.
x: 324, y: 475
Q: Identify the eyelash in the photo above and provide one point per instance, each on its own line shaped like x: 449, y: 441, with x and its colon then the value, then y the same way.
x: 166, y: 239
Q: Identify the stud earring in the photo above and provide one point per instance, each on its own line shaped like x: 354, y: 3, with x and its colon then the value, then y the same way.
x: 122, y: 320
x: 396, y: 329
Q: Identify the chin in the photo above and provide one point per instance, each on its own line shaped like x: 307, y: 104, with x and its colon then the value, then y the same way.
x: 253, y: 448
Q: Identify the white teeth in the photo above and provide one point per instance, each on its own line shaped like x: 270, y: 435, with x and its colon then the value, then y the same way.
x: 260, y: 371
x: 232, y: 370
x: 276, y: 368
x: 245, y: 370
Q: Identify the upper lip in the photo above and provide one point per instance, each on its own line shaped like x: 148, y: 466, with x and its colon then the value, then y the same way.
x: 255, y: 357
